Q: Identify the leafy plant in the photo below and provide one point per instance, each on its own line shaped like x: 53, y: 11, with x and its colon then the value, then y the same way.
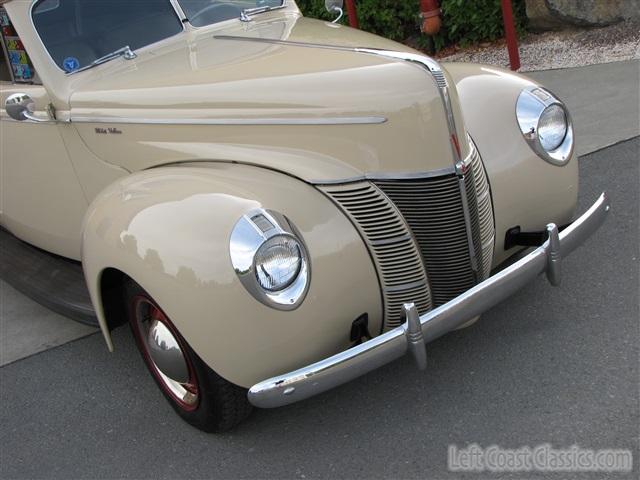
x: 464, y: 22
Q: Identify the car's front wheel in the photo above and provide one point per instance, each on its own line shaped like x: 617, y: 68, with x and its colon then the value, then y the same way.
x: 198, y: 394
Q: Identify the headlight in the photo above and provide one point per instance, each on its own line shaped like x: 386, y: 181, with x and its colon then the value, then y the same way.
x: 278, y: 262
x: 552, y: 127
x: 270, y: 258
x: 545, y: 124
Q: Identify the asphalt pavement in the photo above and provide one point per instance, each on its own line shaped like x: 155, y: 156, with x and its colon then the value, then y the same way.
x: 603, y: 101
x: 549, y: 365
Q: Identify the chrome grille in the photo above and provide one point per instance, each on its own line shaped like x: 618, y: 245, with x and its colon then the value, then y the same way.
x: 433, y: 209
x: 417, y: 232
x: 395, y: 254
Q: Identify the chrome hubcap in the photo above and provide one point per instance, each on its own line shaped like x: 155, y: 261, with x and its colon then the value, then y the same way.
x: 165, y: 355
x: 166, y: 352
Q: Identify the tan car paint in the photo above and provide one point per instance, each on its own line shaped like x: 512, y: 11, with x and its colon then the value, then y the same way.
x: 42, y: 201
x: 169, y: 229
x: 180, y: 217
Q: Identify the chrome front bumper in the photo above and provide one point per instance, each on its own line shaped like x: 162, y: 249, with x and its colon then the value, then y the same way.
x: 420, y: 330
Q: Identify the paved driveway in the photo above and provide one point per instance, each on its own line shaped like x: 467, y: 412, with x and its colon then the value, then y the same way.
x: 548, y: 365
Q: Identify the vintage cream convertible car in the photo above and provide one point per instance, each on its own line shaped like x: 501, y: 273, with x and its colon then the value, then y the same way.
x: 276, y: 204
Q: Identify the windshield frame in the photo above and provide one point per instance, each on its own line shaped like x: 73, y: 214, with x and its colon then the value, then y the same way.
x: 179, y: 15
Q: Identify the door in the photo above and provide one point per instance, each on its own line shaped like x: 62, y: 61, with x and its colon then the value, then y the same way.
x: 41, y: 200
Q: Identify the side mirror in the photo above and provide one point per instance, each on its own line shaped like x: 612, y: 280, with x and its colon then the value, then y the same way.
x: 335, y: 7
x: 20, y: 107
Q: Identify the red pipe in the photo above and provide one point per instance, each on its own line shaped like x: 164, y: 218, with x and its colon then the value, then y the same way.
x: 430, y: 14
x: 510, y: 31
x: 352, y: 13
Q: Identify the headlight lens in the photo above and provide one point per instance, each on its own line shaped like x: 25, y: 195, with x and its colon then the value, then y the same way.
x: 278, y: 262
x: 552, y: 127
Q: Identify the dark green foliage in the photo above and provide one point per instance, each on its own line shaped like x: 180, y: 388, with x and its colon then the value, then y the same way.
x: 464, y: 21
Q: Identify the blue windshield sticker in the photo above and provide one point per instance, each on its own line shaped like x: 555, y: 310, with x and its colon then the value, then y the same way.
x: 71, y: 64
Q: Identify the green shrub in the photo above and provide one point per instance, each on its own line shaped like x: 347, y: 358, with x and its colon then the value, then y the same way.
x: 467, y: 22
x: 463, y: 21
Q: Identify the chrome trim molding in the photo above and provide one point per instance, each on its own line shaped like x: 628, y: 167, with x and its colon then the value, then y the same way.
x: 350, y: 364
x: 248, y: 235
x: 531, y: 103
x: 387, y: 176
x: 233, y: 121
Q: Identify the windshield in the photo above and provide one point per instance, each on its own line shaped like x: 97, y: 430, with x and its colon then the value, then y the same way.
x: 206, y: 12
x: 77, y: 33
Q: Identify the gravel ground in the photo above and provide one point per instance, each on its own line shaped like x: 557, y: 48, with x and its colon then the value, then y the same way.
x: 567, y: 48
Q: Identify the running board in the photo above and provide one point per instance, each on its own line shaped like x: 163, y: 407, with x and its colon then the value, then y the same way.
x: 52, y: 281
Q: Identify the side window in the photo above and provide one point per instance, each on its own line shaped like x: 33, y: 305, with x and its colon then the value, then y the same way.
x: 15, y: 64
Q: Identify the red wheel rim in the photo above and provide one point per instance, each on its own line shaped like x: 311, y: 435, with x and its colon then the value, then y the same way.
x: 144, y: 313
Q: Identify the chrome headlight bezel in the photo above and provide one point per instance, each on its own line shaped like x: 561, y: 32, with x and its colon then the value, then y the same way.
x: 249, y: 234
x: 532, y: 103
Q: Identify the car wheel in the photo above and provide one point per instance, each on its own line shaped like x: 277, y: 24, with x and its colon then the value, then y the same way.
x: 198, y: 394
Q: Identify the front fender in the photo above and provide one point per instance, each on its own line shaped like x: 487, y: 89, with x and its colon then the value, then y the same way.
x: 169, y: 229
x: 526, y: 190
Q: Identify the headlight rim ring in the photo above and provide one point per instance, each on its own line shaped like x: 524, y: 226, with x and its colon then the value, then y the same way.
x: 246, y: 240
x: 532, y: 102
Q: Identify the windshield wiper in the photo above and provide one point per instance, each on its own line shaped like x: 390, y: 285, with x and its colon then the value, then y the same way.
x: 245, y: 15
x: 124, y: 52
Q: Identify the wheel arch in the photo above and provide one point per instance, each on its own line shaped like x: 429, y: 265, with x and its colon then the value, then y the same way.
x: 168, y: 229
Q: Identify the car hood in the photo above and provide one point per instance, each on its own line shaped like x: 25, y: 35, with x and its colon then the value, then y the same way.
x: 225, y: 94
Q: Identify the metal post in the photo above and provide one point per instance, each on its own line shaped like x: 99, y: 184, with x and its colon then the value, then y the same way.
x: 510, y: 31
x: 352, y: 13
